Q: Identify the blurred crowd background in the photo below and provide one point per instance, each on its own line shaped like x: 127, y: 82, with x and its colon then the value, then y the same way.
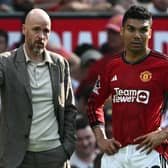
x: 86, y: 60
x: 11, y: 6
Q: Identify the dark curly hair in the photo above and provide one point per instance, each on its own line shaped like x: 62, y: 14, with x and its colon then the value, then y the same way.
x: 137, y: 12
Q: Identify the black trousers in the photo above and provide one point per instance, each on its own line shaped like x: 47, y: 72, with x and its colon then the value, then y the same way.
x: 54, y: 158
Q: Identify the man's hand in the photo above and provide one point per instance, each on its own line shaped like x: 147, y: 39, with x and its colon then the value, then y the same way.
x: 109, y: 146
x: 151, y: 140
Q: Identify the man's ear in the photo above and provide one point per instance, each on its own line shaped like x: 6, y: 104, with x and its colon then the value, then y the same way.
x: 150, y: 33
x: 23, y: 29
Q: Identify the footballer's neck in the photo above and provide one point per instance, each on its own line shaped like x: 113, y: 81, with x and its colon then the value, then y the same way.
x: 133, y: 56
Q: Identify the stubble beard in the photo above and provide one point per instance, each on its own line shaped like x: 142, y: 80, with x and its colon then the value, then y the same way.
x: 38, y: 51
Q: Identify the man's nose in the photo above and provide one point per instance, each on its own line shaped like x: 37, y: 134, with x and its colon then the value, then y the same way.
x: 137, y: 34
x: 41, y: 34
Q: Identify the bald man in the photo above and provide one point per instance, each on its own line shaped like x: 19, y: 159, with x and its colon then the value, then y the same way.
x: 38, y: 111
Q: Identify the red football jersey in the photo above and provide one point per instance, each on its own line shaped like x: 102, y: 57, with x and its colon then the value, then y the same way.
x: 137, y: 91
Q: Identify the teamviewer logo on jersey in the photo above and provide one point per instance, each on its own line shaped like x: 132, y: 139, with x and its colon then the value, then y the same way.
x: 142, y: 96
x: 130, y: 96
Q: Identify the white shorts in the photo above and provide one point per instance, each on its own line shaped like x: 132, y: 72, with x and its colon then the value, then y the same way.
x: 129, y: 157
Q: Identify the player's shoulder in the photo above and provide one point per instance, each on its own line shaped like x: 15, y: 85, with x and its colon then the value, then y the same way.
x: 7, y: 54
x: 159, y: 55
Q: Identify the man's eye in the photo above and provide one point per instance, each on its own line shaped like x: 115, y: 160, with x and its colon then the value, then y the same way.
x: 36, y: 29
x: 131, y: 29
x: 46, y: 31
x: 143, y: 30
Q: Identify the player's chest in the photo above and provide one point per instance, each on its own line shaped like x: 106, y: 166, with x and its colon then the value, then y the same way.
x: 135, y: 77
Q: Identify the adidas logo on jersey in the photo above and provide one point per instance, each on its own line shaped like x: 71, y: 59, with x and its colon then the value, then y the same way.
x: 114, y: 78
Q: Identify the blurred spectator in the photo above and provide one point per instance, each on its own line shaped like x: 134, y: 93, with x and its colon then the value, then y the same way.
x: 23, y: 5
x: 88, y: 58
x: 158, y: 7
x: 82, y: 99
x: 144, y: 1
x: 74, y: 5
x: 85, y: 5
x: 123, y: 5
x: 48, y: 5
x: 3, y: 41
x: 126, y: 4
x: 85, y: 151
x: 114, y: 44
x: 6, y: 6
x: 81, y: 48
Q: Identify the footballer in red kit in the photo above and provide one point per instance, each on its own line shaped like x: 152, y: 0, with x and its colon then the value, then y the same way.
x: 138, y: 88
x: 137, y: 81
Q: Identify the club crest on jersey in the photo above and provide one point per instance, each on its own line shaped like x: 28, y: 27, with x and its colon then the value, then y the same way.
x: 97, y: 85
x: 145, y: 76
